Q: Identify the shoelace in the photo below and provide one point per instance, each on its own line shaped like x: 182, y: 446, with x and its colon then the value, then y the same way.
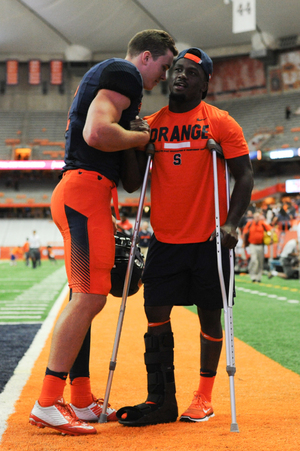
x: 100, y: 401
x: 198, y: 401
x: 70, y: 412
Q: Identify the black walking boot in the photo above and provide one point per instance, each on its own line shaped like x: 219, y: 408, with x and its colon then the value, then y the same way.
x: 161, y: 405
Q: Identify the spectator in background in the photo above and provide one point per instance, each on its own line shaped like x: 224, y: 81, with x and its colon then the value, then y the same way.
x: 276, y: 208
x: 26, y: 251
x: 252, y: 207
x: 34, y: 249
x: 124, y: 226
x: 246, y: 218
x: 290, y: 208
x: 282, y: 220
x: 288, y: 260
x: 269, y: 215
x: 51, y: 255
x: 13, y: 257
x: 288, y: 112
x: 255, y: 230
x: 16, y: 253
x: 144, y: 238
x: 263, y: 209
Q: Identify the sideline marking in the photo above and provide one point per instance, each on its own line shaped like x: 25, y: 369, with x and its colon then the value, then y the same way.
x: 16, y: 383
x: 272, y: 296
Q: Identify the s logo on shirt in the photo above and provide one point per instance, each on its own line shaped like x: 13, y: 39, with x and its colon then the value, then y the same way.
x: 177, y: 159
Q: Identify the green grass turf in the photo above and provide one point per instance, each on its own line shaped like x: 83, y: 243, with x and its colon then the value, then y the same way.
x: 269, y: 324
x: 26, y: 292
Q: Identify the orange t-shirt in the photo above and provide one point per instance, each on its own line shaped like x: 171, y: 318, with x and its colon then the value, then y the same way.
x: 256, y: 231
x: 182, y: 188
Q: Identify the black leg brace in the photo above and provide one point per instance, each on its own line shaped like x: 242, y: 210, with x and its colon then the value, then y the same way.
x: 161, y: 405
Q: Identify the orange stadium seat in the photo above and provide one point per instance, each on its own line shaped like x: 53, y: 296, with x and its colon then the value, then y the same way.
x: 12, y: 142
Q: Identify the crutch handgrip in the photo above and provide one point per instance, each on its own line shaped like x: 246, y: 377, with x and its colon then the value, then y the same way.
x: 150, y: 149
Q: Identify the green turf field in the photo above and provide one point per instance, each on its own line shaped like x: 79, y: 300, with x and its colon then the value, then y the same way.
x: 266, y: 315
x: 26, y: 294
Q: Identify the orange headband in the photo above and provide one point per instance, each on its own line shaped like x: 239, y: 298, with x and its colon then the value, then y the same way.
x: 196, y: 59
x: 192, y: 57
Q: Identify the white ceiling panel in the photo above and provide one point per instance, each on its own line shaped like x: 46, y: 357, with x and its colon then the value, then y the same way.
x: 46, y: 28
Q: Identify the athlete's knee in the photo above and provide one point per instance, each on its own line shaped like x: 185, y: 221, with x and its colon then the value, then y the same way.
x: 210, y: 321
x: 89, y: 302
x: 158, y: 314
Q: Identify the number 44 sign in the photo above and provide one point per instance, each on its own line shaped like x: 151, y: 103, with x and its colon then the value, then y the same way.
x: 243, y: 15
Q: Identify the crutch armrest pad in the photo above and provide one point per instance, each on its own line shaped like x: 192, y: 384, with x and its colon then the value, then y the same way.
x: 212, y: 145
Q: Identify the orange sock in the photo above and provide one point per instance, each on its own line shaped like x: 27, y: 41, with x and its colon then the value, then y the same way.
x: 206, y: 386
x: 81, y: 395
x: 52, y: 389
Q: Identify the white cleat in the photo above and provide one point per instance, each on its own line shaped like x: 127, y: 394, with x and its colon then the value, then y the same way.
x: 60, y: 417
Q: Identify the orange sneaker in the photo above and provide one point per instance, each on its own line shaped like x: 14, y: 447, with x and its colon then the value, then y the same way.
x: 94, y: 410
x: 60, y: 417
x: 199, y: 410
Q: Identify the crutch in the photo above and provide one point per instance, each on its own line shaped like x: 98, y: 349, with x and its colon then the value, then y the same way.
x: 103, y: 417
x: 227, y: 302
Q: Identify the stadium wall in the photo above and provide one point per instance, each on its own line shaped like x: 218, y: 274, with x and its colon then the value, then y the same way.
x: 13, y: 232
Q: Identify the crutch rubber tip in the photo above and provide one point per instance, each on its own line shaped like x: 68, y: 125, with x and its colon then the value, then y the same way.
x: 102, y: 418
x: 234, y: 427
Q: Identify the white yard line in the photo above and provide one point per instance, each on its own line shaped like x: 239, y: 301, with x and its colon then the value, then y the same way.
x: 42, y: 293
x: 15, y: 385
x: 271, y: 296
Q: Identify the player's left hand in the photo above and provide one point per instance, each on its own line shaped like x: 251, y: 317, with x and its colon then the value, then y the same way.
x: 139, y: 125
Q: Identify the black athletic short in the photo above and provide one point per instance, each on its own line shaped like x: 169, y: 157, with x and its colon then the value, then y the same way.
x: 184, y: 274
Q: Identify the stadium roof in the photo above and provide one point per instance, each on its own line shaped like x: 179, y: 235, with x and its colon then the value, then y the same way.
x: 94, y: 29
